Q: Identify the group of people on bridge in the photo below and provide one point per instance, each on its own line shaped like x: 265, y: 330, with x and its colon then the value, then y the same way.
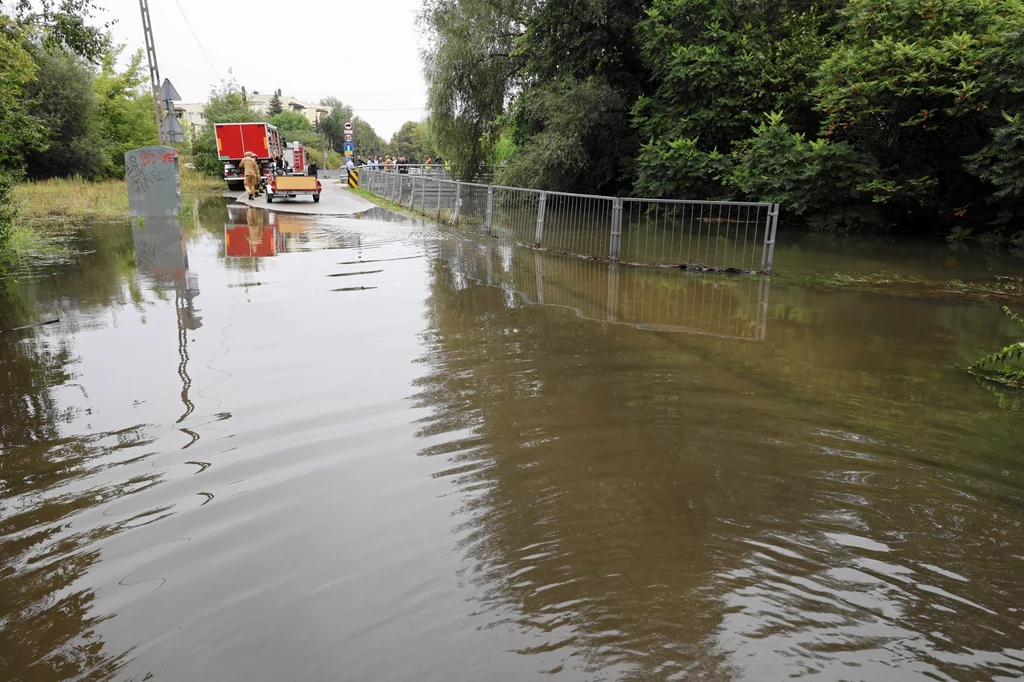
x: 398, y: 164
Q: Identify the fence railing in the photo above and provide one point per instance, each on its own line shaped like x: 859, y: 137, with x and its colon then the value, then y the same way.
x: 485, y: 174
x: 707, y: 235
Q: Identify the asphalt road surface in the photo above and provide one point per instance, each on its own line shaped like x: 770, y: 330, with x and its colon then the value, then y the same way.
x: 335, y: 199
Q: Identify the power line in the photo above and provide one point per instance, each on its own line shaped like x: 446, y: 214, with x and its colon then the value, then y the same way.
x: 201, y: 48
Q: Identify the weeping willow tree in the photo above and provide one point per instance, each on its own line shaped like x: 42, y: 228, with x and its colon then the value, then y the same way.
x: 471, y: 68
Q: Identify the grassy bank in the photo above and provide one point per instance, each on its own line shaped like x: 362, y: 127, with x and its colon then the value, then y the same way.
x: 46, y: 211
x: 383, y: 203
x: 63, y: 200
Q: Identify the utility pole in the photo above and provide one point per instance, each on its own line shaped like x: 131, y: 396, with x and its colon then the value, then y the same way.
x: 320, y: 129
x: 154, y: 70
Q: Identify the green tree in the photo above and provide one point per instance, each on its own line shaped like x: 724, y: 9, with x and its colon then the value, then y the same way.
x: 718, y: 67
x: 19, y: 131
x: 368, y: 142
x: 61, y: 25
x: 581, y: 139
x: 571, y: 120
x: 227, y: 104
x: 470, y: 66
x: 818, y: 179
x: 1001, y: 160
x: 124, y: 107
x: 920, y: 86
x: 24, y: 25
x: 62, y: 98
x: 290, y: 121
x: 275, y: 108
x: 413, y: 141
x: 333, y: 124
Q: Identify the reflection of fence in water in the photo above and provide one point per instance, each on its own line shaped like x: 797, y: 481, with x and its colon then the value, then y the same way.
x: 662, y: 299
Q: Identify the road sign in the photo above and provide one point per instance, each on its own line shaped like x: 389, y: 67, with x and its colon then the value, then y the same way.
x: 170, y: 129
x: 348, y: 147
x: 348, y: 125
x: 167, y: 92
x: 348, y: 137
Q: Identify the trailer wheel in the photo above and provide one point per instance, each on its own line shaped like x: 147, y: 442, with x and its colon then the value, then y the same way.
x: 316, y: 198
x: 270, y: 198
x: 236, y: 185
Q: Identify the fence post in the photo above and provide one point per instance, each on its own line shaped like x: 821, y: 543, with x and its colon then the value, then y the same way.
x: 539, y: 267
x: 771, y: 225
x: 613, y: 291
x: 615, y: 246
x: 490, y: 266
x: 458, y: 202
x: 540, y: 219
x: 439, y: 186
x: 490, y: 210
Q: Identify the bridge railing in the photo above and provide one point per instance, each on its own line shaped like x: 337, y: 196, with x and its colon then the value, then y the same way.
x: 705, y: 235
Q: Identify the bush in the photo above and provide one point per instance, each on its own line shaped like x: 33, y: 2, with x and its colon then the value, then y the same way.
x: 825, y: 182
x: 1005, y: 366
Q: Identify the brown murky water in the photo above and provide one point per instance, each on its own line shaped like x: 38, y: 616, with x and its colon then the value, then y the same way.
x: 363, y: 449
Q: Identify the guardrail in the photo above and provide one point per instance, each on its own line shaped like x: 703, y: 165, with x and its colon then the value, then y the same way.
x: 729, y: 236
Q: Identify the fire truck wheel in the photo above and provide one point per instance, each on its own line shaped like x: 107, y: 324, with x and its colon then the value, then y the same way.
x: 316, y: 197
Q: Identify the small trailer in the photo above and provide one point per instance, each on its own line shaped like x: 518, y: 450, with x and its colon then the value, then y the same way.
x: 292, y: 186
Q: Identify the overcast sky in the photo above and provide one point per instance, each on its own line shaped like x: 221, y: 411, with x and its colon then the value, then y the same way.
x: 366, y: 52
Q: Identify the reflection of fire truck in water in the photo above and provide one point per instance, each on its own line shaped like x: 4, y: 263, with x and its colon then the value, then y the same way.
x: 254, y: 233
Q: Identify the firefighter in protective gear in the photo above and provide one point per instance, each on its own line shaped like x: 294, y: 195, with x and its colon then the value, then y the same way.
x: 251, y: 168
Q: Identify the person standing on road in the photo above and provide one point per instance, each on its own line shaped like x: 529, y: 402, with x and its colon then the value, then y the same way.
x: 349, y: 165
x: 251, y: 169
x: 312, y: 169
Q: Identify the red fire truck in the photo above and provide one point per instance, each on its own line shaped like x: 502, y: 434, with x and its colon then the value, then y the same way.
x: 234, y: 139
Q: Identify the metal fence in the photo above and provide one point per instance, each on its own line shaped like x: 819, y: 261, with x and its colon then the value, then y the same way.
x: 709, y: 235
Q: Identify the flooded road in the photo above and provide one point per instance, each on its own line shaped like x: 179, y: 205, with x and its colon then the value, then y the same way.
x: 262, y: 446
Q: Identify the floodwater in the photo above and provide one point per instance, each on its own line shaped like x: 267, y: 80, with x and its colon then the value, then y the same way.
x: 266, y: 447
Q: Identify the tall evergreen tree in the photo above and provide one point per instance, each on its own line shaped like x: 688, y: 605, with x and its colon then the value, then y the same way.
x: 275, y: 108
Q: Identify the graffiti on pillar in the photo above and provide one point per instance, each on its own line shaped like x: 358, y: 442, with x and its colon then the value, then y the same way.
x: 154, y: 188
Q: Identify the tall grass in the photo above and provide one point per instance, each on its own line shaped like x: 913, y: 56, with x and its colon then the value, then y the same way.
x: 70, y: 198
x: 194, y: 182
x: 47, y: 211
x: 75, y: 198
